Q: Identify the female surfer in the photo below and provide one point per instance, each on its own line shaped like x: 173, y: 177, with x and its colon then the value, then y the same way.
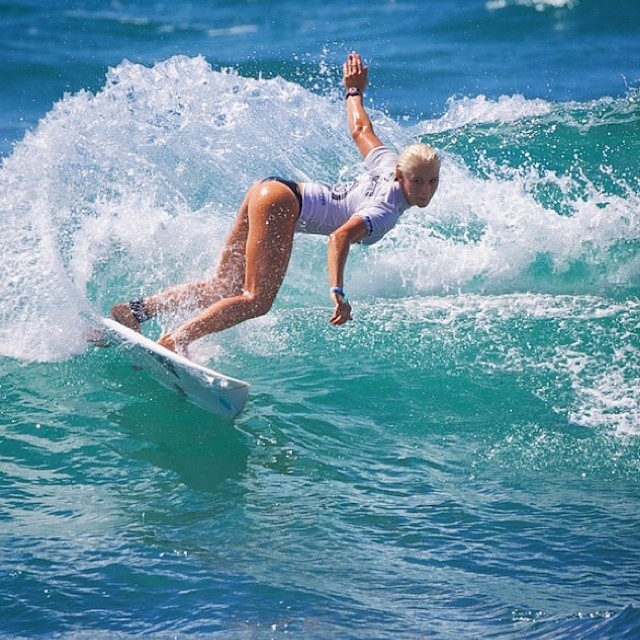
x: 256, y: 254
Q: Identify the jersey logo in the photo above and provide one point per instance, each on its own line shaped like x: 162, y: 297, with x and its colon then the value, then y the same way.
x: 371, y: 186
x: 341, y: 190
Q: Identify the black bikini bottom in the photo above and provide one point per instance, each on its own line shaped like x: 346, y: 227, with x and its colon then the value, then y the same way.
x: 289, y: 183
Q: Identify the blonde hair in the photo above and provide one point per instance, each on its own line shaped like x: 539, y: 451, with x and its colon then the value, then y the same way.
x: 415, y: 154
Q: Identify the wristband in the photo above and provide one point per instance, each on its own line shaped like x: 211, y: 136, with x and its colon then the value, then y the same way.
x: 339, y: 291
x: 353, y: 91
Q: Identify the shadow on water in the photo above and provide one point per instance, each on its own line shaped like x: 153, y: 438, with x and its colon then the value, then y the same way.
x: 98, y: 397
x: 167, y: 431
x: 204, y: 455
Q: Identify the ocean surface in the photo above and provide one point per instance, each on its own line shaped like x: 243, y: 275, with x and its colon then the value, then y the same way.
x: 460, y: 461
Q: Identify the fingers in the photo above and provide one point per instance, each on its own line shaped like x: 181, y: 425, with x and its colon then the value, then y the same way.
x: 341, y: 314
x: 354, y: 67
x: 354, y: 60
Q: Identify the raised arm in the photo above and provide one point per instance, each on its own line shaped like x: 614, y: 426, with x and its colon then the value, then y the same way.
x: 355, y: 76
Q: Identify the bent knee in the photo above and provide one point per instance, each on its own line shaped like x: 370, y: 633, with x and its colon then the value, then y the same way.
x: 258, y: 305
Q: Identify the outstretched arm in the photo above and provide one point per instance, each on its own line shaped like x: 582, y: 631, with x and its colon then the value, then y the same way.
x: 355, y: 76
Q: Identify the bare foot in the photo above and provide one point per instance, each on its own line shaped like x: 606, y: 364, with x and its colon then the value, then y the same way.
x: 169, y: 342
x: 122, y: 314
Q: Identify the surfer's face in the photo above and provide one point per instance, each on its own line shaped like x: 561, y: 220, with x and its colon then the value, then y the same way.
x: 420, y: 182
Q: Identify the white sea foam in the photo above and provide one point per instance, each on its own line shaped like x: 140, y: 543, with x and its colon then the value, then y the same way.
x: 579, y: 354
x: 538, y: 5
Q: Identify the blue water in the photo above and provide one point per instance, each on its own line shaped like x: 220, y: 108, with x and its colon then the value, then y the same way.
x: 461, y: 461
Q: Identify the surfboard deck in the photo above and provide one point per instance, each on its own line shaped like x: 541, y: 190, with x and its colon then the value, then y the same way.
x: 212, y: 391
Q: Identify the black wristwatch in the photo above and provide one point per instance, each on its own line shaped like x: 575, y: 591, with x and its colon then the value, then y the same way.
x: 353, y: 91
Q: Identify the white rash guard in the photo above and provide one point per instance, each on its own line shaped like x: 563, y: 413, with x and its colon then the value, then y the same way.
x: 375, y: 197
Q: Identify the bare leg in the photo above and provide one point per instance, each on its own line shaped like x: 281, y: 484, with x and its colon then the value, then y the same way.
x: 228, y: 281
x: 271, y: 214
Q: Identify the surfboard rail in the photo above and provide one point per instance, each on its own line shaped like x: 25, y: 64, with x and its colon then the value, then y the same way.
x: 211, y: 390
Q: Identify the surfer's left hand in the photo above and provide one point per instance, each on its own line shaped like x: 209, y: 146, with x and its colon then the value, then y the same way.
x: 342, y: 313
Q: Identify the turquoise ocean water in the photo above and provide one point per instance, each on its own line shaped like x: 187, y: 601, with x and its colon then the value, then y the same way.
x: 461, y: 461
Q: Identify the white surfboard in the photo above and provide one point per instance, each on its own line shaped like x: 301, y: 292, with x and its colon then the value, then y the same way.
x: 208, y: 389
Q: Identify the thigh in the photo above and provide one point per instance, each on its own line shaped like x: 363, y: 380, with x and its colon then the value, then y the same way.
x: 272, y: 212
x: 230, y: 271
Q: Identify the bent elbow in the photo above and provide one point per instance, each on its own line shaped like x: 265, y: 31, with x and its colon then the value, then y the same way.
x: 338, y: 238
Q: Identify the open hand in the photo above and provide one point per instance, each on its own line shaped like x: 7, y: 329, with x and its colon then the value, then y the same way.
x: 355, y: 73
